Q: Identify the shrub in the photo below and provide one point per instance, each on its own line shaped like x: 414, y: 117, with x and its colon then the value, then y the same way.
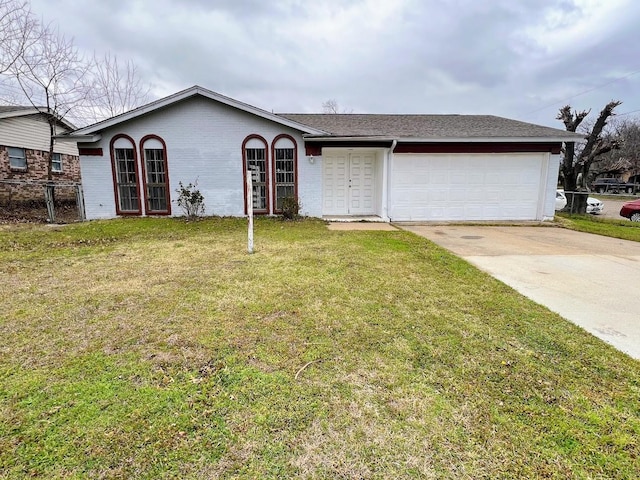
x: 290, y: 208
x: 190, y: 200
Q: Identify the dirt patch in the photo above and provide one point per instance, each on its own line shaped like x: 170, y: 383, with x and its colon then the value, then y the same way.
x: 35, y: 211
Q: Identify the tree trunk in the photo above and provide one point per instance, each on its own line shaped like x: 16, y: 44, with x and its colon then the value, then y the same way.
x: 570, y: 178
x: 52, y: 132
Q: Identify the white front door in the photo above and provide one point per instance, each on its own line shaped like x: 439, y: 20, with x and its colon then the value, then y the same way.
x: 349, y: 183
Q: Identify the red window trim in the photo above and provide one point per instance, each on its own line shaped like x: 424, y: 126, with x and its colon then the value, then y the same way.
x: 144, y: 175
x: 244, y: 173
x: 90, y: 152
x: 115, y: 178
x: 273, y: 168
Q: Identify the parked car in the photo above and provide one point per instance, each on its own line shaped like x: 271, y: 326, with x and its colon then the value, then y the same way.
x: 631, y: 210
x: 561, y: 200
x: 611, y: 185
x: 594, y: 206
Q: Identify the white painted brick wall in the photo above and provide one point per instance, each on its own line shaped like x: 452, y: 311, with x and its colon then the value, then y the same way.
x: 551, y: 187
x: 204, y: 144
x: 310, y: 184
x: 97, y: 185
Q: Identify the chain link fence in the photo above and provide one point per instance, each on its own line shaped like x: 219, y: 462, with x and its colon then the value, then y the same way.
x: 40, y: 202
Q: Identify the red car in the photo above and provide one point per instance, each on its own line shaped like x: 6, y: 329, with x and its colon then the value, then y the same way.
x: 631, y: 210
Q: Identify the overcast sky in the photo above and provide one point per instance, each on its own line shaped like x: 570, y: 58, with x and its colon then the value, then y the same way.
x: 520, y: 59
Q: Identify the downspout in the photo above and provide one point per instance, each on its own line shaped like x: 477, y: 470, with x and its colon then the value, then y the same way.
x: 386, y: 187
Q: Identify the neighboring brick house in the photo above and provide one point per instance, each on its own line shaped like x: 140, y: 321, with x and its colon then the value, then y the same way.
x: 24, y: 152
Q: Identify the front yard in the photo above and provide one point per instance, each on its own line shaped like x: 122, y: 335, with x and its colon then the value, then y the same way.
x: 155, y: 348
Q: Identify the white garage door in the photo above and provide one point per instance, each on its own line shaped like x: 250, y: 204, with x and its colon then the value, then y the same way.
x: 467, y: 186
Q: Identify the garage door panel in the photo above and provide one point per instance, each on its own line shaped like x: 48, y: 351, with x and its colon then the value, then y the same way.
x: 435, y: 194
x: 458, y: 193
x: 476, y: 194
x: 466, y: 187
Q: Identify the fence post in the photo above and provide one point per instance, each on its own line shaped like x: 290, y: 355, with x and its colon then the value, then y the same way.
x: 80, y: 203
x: 48, y: 199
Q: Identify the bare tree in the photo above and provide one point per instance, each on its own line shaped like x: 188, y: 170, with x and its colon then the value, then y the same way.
x: 18, y: 30
x: 578, y: 160
x: 116, y: 88
x: 51, y: 74
x: 332, y: 106
x: 626, y: 132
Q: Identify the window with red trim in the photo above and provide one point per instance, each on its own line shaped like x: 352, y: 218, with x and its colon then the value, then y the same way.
x: 284, y: 170
x: 255, y: 159
x: 125, y: 172
x: 155, y: 175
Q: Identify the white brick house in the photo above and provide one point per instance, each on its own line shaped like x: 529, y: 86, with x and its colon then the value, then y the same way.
x: 393, y: 167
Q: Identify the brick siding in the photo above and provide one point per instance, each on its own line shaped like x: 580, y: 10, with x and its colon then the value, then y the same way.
x: 27, y: 184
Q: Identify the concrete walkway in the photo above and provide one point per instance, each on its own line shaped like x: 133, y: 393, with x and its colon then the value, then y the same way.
x: 385, y: 227
x: 591, y: 280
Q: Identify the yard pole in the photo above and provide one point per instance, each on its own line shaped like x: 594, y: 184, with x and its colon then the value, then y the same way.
x: 250, y: 209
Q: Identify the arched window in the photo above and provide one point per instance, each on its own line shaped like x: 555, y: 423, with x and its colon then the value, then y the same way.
x: 124, y: 166
x: 254, y: 153
x: 285, y: 169
x: 155, y: 175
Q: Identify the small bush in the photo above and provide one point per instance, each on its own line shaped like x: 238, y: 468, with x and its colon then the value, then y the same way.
x: 290, y: 208
x: 190, y: 200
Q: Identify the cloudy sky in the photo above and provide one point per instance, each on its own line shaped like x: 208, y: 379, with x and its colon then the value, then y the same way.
x: 521, y: 59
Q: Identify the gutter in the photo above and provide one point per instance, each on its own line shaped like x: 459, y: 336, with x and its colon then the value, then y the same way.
x: 89, y: 138
x: 330, y: 139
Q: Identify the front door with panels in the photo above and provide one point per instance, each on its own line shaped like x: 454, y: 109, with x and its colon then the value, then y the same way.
x: 349, y: 183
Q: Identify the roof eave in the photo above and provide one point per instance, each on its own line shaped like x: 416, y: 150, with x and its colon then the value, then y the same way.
x: 19, y: 113
x: 87, y: 138
x: 191, y: 92
x: 35, y: 111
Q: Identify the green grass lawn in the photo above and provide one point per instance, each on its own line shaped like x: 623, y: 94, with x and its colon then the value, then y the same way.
x: 623, y: 228
x: 157, y: 348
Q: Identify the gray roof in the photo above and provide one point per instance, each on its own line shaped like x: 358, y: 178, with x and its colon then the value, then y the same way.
x: 427, y: 126
x: 8, y: 111
x: 13, y: 108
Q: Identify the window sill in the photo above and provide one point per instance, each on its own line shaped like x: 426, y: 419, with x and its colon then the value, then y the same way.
x: 19, y: 169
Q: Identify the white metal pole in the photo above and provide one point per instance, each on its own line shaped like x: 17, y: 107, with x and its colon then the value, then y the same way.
x: 250, y: 209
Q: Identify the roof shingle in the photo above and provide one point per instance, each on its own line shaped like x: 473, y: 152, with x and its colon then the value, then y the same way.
x: 425, y: 126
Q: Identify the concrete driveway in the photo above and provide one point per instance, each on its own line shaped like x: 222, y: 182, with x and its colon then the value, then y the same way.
x: 611, y: 207
x: 591, y: 280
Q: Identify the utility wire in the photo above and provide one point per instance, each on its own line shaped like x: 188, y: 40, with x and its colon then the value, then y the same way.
x: 627, y: 113
x: 585, y: 92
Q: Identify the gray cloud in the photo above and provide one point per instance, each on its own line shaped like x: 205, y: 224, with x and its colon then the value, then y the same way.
x: 500, y: 56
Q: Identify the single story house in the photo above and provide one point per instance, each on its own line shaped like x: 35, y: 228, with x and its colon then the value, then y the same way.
x: 25, y: 138
x: 386, y: 167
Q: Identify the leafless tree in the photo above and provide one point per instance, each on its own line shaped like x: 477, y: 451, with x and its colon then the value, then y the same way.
x: 18, y: 30
x: 332, y: 106
x: 626, y: 132
x: 46, y: 69
x: 116, y: 88
x: 51, y: 73
x: 578, y: 159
